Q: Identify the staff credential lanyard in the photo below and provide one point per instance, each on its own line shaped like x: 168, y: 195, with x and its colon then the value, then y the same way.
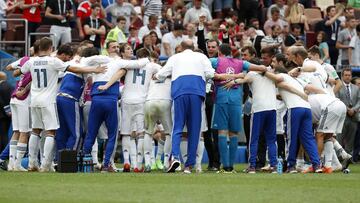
x: 64, y: 9
x: 96, y: 23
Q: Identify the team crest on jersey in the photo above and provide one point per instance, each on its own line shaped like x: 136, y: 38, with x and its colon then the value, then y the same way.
x: 230, y: 70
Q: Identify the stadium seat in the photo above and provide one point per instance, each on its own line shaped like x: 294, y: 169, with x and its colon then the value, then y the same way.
x: 42, y: 29
x: 310, y: 39
x: 313, y: 15
x: 15, y: 29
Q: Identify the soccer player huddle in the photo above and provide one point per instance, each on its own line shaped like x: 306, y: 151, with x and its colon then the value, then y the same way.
x: 68, y: 98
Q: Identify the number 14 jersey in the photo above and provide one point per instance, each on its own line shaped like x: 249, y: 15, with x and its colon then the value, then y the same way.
x: 137, y: 83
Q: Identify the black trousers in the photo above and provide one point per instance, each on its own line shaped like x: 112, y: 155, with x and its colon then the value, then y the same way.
x: 211, y: 136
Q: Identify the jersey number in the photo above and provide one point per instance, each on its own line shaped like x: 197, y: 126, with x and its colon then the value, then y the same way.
x: 137, y: 73
x: 38, y: 73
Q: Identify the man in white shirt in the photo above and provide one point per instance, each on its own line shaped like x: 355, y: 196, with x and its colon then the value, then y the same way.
x: 171, y: 40
x: 152, y: 26
x: 192, y: 15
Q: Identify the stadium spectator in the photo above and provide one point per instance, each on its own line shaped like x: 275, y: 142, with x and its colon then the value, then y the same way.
x: 190, y: 34
x: 94, y: 27
x: 247, y: 9
x: 222, y: 7
x: 354, y: 56
x: 59, y: 14
x: 192, y: 15
x: 350, y: 95
x: 280, y: 4
x: 331, y: 26
x: 343, y: 41
x: 171, y: 40
x: 31, y: 12
x: 294, y: 14
x: 122, y: 8
x: 133, y: 38
x: 156, y: 42
x: 274, y: 40
x: 117, y: 33
x: 293, y: 36
x: 151, y: 8
x: 84, y: 11
x: 151, y: 26
x: 274, y: 20
x: 323, y: 46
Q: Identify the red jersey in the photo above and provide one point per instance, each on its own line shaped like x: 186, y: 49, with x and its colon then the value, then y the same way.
x: 32, y: 14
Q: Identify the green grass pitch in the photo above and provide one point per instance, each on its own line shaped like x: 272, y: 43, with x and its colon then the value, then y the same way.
x: 179, y: 187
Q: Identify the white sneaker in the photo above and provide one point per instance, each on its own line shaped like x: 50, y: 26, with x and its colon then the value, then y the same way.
x: 337, y: 167
x: 178, y: 168
x: 187, y: 170
x: 97, y: 166
x: 11, y: 165
x: 33, y: 167
x: 266, y: 168
x: 20, y: 169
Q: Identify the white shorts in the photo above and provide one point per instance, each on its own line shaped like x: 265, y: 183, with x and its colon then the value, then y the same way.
x: 204, y: 126
x: 280, y: 127
x: 158, y: 110
x: 132, y: 118
x: 20, y: 117
x: 102, y: 133
x: 332, y: 118
x: 45, y: 118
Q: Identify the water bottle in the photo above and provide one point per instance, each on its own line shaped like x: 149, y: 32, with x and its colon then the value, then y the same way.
x: 280, y: 165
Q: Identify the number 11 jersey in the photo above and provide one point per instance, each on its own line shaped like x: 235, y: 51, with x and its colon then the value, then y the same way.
x: 45, y: 73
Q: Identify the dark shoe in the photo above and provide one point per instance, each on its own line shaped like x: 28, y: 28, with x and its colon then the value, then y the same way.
x: 212, y: 168
x: 174, y: 163
x: 3, y: 166
x: 250, y: 170
x: 108, y: 169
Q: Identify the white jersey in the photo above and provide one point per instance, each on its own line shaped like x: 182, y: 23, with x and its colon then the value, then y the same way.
x: 313, y: 78
x: 292, y: 100
x: 318, y: 103
x: 14, y: 100
x: 330, y: 70
x: 137, y: 83
x: 44, y: 72
x: 263, y: 92
x: 159, y: 90
x: 113, y: 65
x: 319, y: 68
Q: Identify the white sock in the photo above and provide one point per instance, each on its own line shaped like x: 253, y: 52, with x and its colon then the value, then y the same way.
x: 125, y: 141
x: 147, y: 149
x: 300, y: 163
x: 12, y: 151
x: 42, y: 144
x: 94, y: 152
x: 48, y: 148
x: 140, y: 151
x: 167, y: 150
x: 328, y: 152
x: 160, y: 149
x: 339, y: 149
x: 153, y: 152
x: 199, y: 153
x: 133, y: 153
x: 21, y: 150
x: 335, y: 161
x: 183, y: 149
x: 34, y: 146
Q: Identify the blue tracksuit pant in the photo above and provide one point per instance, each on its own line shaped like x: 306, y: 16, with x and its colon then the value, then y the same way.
x: 187, y: 110
x: 299, y: 127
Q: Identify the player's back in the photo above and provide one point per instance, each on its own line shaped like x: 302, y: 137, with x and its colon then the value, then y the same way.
x: 137, y: 83
x: 159, y: 90
x: 292, y: 100
x: 45, y: 72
